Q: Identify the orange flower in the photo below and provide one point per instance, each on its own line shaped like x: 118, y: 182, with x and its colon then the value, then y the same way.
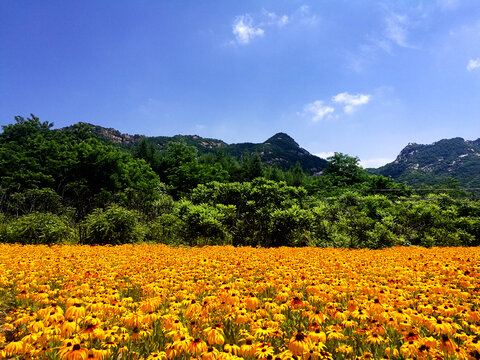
x: 75, y: 353
x: 75, y: 311
x: 447, y: 345
x: 299, y: 343
x: 196, y: 346
x: 214, y: 335
x: 210, y: 354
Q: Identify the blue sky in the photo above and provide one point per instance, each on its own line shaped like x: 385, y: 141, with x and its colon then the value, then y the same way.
x: 354, y: 76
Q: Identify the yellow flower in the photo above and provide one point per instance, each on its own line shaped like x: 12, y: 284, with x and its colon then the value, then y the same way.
x: 264, y: 351
x: 210, y: 354
x: 75, y: 311
x: 375, y: 339
x: 447, y: 345
x: 196, y: 346
x: 299, y: 343
x: 345, y: 349
x: 247, y: 349
x: 75, y: 353
x: 158, y: 355
x: 14, y: 348
x: 214, y: 335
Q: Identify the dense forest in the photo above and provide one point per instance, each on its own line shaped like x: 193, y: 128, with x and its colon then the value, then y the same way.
x: 70, y: 185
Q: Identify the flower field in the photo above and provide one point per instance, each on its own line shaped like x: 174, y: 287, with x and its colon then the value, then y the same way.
x: 160, y: 302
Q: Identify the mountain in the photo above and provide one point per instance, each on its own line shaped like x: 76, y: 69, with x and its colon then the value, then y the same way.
x: 433, y: 164
x: 280, y: 150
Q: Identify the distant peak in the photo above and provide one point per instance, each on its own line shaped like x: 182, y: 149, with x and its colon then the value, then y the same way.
x: 282, y: 139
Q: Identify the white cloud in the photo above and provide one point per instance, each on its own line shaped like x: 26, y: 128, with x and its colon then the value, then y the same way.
x: 351, y: 101
x: 325, y: 154
x: 396, y: 27
x: 305, y: 15
x: 318, y: 110
x: 375, y: 163
x: 247, y: 27
x: 244, y: 30
x: 273, y: 19
x: 473, y: 64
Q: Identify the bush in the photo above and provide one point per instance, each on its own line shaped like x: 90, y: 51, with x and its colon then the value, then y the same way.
x: 291, y: 227
x: 380, y: 237
x: 205, y: 224
x: 3, y: 228
x: 115, y: 225
x: 39, y: 228
x: 166, y: 229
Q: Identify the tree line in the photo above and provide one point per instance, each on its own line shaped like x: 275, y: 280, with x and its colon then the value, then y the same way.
x: 70, y: 185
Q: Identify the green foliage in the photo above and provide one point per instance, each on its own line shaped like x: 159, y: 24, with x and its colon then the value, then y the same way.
x: 34, y: 200
x: 251, y: 167
x: 434, y: 164
x: 166, y: 229
x: 38, y: 228
x: 344, y: 170
x: 114, y: 225
x: 291, y: 227
x: 181, y: 170
x: 205, y: 224
x: 41, y: 167
x: 207, y: 197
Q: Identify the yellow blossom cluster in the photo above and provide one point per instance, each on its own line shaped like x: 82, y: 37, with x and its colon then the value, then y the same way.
x: 160, y: 302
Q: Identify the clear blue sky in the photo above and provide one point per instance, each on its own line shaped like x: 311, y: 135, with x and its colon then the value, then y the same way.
x: 359, y: 77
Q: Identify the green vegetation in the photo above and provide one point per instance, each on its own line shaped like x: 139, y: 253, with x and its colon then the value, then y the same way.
x: 71, y: 185
x: 437, y: 163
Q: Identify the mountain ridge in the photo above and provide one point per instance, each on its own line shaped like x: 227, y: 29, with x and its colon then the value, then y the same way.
x: 279, y: 150
x: 434, y: 163
x: 416, y: 164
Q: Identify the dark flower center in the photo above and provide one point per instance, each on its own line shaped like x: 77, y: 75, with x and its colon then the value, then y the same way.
x: 300, y: 336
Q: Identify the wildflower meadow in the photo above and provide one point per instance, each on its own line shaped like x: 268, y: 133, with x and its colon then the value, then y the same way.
x: 161, y: 302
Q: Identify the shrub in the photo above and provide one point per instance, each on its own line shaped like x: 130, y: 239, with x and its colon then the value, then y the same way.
x: 166, y: 229
x: 3, y: 228
x: 39, y: 228
x: 205, y: 224
x: 380, y: 237
x: 290, y: 227
x: 114, y: 225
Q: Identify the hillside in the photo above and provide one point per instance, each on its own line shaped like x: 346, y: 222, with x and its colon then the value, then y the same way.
x: 432, y: 164
x: 280, y: 150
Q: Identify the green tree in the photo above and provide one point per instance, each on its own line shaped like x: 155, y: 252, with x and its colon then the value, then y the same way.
x: 344, y: 170
x: 251, y: 167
